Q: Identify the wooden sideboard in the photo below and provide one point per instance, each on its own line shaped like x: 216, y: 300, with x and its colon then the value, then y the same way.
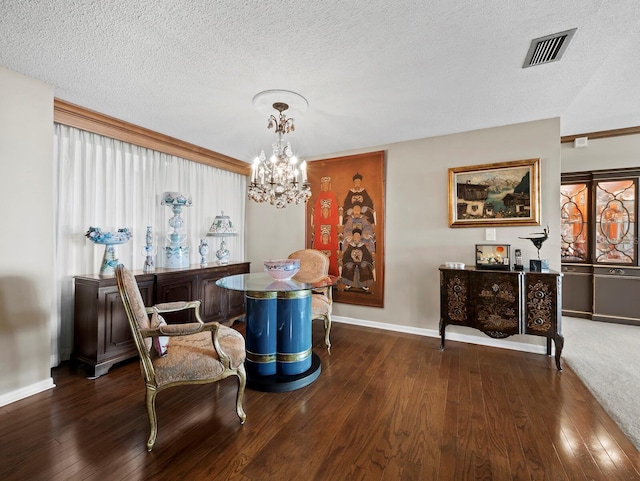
x: 101, y: 330
x: 503, y: 303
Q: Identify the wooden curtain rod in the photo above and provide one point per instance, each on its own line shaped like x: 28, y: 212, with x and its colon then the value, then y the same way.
x: 85, y: 119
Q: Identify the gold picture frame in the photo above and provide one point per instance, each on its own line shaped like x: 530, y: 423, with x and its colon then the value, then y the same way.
x: 494, y: 195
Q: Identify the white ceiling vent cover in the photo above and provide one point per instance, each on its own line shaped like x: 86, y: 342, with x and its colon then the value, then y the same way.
x: 548, y: 49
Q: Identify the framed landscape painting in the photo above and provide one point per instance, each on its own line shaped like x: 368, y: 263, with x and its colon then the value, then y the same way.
x: 493, y: 195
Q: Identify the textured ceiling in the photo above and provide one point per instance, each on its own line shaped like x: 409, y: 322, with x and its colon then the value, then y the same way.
x: 373, y: 72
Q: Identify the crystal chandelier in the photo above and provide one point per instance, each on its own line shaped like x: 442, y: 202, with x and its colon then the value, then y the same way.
x: 279, y: 180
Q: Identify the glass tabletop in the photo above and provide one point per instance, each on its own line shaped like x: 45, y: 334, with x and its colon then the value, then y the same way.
x: 263, y: 282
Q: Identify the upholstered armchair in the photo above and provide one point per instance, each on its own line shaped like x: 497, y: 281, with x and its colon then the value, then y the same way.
x: 314, y: 269
x: 177, y: 354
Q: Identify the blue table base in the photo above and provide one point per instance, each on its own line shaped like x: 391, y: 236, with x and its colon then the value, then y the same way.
x: 278, y: 339
x: 282, y: 382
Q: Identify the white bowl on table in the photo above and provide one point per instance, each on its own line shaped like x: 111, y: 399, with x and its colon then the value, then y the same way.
x: 282, y: 269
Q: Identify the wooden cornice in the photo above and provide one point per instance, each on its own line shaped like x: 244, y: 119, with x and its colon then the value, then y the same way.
x: 91, y: 121
x: 602, y: 134
x: 85, y: 119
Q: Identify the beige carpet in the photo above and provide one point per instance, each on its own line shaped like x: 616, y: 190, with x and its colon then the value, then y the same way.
x: 606, y: 357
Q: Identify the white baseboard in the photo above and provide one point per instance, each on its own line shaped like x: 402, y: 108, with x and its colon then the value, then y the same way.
x: 450, y: 336
x: 26, y: 391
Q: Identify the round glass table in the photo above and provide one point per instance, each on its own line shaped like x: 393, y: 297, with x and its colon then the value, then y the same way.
x: 278, y: 331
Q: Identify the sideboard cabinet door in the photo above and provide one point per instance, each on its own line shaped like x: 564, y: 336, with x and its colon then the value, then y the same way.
x: 495, y: 302
x: 235, y: 307
x: 222, y: 305
x: 102, y: 336
x: 542, y: 301
x: 454, y: 297
x: 174, y: 286
x: 617, y: 294
x: 213, y: 297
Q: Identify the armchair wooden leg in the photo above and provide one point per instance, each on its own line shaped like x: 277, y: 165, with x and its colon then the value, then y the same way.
x: 327, y: 331
x: 151, y: 412
x: 242, y: 383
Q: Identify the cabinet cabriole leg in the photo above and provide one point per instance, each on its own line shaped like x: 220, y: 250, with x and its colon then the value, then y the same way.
x: 558, y: 339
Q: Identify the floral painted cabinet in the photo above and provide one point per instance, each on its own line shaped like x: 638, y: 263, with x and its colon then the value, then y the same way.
x: 502, y: 304
x: 495, y: 302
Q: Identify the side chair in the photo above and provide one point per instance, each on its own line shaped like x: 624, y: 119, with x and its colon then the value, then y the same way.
x: 196, y: 353
x: 314, y: 269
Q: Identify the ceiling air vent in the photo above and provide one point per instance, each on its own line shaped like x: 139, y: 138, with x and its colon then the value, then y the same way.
x: 548, y: 49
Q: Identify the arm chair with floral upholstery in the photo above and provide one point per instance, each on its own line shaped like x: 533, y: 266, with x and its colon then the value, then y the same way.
x: 177, y: 354
x: 314, y: 269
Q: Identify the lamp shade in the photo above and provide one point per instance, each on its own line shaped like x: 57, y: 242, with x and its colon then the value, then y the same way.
x: 222, y: 227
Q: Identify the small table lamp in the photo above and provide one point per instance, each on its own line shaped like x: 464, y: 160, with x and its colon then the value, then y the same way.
x: 222, y: 227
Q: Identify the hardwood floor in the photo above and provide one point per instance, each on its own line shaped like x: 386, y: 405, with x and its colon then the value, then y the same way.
x: 387, y: 406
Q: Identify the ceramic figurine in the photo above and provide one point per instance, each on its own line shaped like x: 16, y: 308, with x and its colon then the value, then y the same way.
x: 203, y: 250
x: 148, y: 251
x: 177, y: 252
x: 223, y: 253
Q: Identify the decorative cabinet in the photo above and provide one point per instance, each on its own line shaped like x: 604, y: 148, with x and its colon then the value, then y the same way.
x: 503, y: 303
x: 101, y: 330
x: 599, y: 241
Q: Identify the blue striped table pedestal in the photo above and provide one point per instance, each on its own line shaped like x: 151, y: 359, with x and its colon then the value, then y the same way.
x: 278, y: 341
x: 278, y: 331
x: 294, y: 332
x: 261, y: 338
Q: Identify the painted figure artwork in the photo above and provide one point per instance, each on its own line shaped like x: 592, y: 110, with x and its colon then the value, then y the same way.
x: 358, y: 239
x: 358, y: 195
x: 324, y: 224
x: 358, y: 268
x: 346, y: 222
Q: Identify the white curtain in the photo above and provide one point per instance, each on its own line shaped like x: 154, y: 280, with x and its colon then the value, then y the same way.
x: 110, y: 184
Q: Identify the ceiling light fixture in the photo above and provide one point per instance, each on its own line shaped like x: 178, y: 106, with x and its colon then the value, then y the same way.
x: 281, y: 179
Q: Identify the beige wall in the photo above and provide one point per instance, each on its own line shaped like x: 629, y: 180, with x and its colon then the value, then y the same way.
x: 418, y: 238
x: 26, y: 243
x: 599, y: 154
x: 272, y: 233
